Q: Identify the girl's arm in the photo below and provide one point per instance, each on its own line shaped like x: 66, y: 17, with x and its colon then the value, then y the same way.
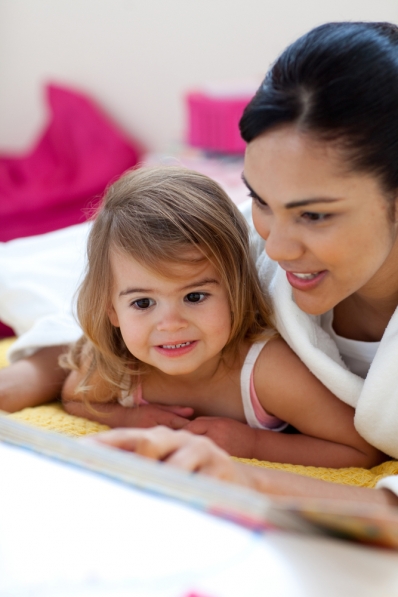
x: 32, y: 381
x: 287, y: 389
x: 102, y: 406
x: 200, y: 455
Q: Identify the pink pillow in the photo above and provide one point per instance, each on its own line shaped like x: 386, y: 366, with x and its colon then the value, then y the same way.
x: 78, y: 155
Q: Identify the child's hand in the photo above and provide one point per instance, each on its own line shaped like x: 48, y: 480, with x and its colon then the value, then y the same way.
x: 238, y: 439
x: 146, y: 415
x: 151, y: 415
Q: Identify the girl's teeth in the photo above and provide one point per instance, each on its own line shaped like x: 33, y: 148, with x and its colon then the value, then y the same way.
x: 306, y: 276
x: 172, y: 346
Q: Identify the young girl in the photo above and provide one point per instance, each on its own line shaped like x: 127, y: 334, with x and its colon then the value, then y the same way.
x: 173, y: 314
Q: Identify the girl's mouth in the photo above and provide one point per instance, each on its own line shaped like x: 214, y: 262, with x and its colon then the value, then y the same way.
x: 305, y: 281
x: 174, y: 346
x: 177, y: 349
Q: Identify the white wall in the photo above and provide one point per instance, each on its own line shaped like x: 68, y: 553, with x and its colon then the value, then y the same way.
x: 137, y: 57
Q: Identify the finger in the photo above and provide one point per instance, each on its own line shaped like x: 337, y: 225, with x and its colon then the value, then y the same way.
x: 155, y: 443
x: 206, y: 459
x: 223, y: 469
x: 163, y: 417
x: 159, y: 442
x: 124, y: 439
x: 177, y: 422
x: 182, y: 411
x: 197, y: 426
x: 188, y: 458
x: 197, y: 455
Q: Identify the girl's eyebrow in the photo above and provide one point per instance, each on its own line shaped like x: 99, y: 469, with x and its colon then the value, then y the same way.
x: 196, y: 284
x: 293, y: 204
x: 200, y: 283
x: 133, y: 290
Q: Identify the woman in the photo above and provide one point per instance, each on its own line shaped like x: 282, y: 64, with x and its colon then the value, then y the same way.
x: 321, y: 165
x: 321, y: 168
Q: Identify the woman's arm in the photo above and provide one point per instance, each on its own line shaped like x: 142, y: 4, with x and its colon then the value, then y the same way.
x: 200, y: 455
x: 32, y: 381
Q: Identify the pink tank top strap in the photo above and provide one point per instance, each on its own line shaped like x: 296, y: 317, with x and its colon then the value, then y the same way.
x: 129, y: 400
x: 256, y: 416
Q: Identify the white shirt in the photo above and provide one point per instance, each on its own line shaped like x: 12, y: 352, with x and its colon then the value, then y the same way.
x: 357, y: 355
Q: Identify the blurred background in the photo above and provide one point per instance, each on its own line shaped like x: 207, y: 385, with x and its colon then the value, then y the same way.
x: 138, y: 58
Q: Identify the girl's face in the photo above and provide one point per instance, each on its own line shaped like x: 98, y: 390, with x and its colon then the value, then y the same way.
x: 330, y: 230
x: 177, y: 323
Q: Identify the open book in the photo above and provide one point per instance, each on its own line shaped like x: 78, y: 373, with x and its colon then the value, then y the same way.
x: 364, y: 523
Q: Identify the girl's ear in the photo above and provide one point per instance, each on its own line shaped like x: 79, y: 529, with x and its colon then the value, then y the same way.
x: 113, y: 318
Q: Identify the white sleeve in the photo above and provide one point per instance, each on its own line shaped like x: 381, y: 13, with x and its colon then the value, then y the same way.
x: 390, y: 483
x: 39, y: 276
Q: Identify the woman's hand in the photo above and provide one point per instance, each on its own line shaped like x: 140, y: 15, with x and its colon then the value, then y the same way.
x: 199, y: 454
x: 181, y: 449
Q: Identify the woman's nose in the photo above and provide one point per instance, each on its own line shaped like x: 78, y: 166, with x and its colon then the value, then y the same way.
x: 281, y: 242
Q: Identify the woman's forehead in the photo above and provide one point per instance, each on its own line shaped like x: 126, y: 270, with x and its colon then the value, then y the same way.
x: 287, y: 146
x: 290, y: 166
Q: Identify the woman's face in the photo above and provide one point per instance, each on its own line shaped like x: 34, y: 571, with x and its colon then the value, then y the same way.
x: 330, y: 230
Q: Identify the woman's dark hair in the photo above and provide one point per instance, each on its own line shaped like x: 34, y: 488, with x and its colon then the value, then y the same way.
x: 339, y: 83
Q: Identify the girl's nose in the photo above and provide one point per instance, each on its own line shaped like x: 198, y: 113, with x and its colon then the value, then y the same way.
x: 281, y: 242
x: 171, y: 320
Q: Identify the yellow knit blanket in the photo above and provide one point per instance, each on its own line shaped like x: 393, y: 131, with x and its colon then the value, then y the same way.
x: 54, y: 418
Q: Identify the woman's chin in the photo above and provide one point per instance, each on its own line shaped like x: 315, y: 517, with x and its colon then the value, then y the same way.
x: 312, y: 303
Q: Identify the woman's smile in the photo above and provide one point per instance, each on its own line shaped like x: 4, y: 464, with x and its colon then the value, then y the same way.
x: 307, y: 281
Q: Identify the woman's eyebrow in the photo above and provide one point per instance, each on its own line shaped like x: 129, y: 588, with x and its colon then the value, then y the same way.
x: 304, y: 202
x: 293, y: 204
x: 252, y: 192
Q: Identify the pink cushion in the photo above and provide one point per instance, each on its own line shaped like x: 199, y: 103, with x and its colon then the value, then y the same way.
x: 80, y: 152
x: 5, y: 331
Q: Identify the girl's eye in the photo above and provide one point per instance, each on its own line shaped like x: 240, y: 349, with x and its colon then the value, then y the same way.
x: 314, y: 217
x: 196, y: 297
x: 143, y: 303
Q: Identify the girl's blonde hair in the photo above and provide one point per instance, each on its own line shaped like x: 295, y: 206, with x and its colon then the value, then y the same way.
x: 154, y: 215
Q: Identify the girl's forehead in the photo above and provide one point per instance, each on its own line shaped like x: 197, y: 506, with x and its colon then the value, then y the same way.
x: 192, y: 263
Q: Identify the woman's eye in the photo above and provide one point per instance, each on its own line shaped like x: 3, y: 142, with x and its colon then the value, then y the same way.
x: 143, y: 303
x: 314, y: 217
x: 257, y: 200
x: 196, y: 297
